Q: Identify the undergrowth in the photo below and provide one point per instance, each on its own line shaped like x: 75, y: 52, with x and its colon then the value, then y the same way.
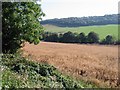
x: 20, y: 72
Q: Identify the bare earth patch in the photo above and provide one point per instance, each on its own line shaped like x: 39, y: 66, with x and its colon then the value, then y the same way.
x: 96, y: 63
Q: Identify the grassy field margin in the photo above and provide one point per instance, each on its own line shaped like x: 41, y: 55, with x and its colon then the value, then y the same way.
x: 20, y: 72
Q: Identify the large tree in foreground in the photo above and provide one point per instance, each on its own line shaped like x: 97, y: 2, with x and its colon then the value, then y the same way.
x: 20, y: 23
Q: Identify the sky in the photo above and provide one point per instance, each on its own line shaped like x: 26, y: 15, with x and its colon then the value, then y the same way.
x: 78, y: 8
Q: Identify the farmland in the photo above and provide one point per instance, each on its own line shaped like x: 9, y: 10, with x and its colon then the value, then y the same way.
x: 102, y: 30
x: 96, y: 63
x: 77, y: 60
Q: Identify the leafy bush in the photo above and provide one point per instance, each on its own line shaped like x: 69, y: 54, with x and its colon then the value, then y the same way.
x: 19, y: 72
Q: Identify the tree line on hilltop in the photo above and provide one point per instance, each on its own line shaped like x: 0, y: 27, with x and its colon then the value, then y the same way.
x: 69, y: 37
x: 83, y: 21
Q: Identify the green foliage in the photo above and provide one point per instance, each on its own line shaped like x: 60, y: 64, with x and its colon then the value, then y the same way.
x: 109, y: 40
x: 83, y: 21
x: 53, y: 37
x: 11, y: 80
x: 70, y: 37
x: 20, y: 23
x: 92, y: 37
x: 82, y: 38
x: 19, y: 72
x: 102, y: 30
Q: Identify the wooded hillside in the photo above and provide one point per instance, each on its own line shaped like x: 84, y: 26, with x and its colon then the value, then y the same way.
x: 83, y: 21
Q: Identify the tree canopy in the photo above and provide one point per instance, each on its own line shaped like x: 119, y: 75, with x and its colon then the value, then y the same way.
x: 20, y: 23
x: 81, y: 38
x: 92, y: 37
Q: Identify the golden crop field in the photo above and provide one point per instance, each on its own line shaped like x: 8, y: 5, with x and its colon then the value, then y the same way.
x: 94, y: 63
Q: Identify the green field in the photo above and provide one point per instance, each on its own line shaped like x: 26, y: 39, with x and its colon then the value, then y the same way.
x: 102, y: 30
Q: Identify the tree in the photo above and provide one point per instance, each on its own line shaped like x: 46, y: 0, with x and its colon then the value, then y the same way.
x: 109, y: 39
x: 82, y: 38
x: 20, y: 23
x: 45, y: 35
x: 52, y: 38
x: 60, y: 37
x: 76, y: 38
x: 68, y: 37
x: 93, y: 37
x: 83, y: 21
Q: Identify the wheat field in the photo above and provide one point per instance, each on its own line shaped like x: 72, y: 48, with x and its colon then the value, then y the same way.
x: 94, y: 63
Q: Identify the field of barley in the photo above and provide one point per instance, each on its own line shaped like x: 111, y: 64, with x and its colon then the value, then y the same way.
x: 92, y: 63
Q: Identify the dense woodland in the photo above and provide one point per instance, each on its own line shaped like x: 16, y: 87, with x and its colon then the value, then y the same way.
x: 83, y: 21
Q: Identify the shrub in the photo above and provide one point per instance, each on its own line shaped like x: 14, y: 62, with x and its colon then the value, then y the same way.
x: 29, y: 74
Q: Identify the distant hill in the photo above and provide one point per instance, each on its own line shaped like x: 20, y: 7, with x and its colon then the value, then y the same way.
x: 82, y: 21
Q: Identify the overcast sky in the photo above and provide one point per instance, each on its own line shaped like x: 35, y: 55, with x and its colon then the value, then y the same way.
x: 78, y: 8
